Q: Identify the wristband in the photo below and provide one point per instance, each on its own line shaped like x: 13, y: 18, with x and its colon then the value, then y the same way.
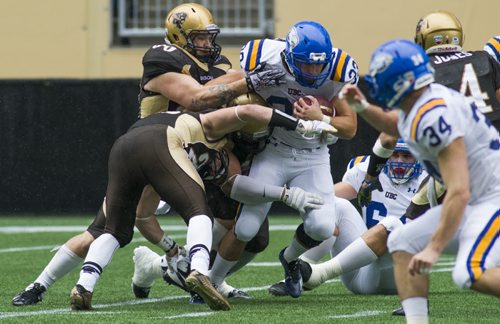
x: 326, y: 119
x: 381, y: 151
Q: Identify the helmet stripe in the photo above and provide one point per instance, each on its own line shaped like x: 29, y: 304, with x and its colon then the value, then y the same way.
x: 254, y: 54
x: 422, y: 110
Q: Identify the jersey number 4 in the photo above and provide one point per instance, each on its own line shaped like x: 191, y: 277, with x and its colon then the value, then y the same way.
x: 470, y: 87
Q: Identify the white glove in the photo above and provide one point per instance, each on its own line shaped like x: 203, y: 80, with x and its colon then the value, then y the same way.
x: 329, y: 139
x: 258, y: 79
x: 301, y: 200
x: 311, y: 128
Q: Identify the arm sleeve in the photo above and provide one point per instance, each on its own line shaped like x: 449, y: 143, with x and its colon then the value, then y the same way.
x: 250, y: 191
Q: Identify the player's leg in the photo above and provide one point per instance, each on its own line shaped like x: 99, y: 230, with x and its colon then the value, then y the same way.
x: 309, y: 173
x: 148, y: 266
x: 67, y: 258
x: 403, y: 243
x: 478, y: 256
x: 250, y: 219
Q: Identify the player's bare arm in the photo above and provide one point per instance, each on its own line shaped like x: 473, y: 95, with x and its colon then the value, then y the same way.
x: 193, y: 96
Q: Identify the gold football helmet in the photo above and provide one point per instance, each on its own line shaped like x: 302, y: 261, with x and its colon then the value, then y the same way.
x: 188, y: 20
x: 439, y: 28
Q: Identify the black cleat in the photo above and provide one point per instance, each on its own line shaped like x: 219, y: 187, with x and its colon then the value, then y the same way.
x: 140, y: 292
x: 398, y: 312
x: 278, y: 289
x: 293, y: 277
x: 196, y: 299
x: 32, y: 295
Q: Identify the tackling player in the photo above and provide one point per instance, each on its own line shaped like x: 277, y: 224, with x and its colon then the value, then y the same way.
x: 174, y: 74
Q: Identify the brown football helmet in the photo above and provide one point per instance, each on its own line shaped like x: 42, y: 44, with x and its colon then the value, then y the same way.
x: 439, y: 28
x: 185, y: 22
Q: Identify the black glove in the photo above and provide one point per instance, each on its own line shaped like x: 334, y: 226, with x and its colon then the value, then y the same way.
x: 258, y: 79
x: 365, y: 191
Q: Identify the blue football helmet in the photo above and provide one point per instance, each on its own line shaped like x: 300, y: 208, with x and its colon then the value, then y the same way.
x: 400, y: 172
x: 397, y: 68
x: 308, y: 42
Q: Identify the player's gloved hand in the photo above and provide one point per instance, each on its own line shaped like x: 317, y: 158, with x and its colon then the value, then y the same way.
x: 329, y: 139
x: 354, y: 97
x: 301, y: 200
x: 311, y: 128
x: 365, y: 191
x: 258, y: 79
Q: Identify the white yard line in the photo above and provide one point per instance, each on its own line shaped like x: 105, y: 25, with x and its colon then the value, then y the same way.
x: 168, y: 228
x: 358, y: 314
x: 201, y: 314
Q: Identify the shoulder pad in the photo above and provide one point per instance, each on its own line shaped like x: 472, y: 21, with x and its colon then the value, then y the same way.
x: 251, y: 54
x: 356, y: 160
x: 345, y: 69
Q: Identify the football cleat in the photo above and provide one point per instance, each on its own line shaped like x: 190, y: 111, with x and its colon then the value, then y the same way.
x: 293, y: 277
x: 312, y: 274
x: 80, y: 298
x: 144, y: 276
x: 200, y: 284
x: 30, y: 296
x: 398, y: 312
x: 196, y: 299
x: 278, y: 289
x: 230, y: 292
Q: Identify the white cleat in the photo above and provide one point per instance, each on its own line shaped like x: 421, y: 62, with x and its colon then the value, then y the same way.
x: 145, y: 272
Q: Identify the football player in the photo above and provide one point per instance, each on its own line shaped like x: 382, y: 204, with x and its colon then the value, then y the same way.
x: 474, y: 74
x: 159, y: 151
x: 313, y: 67
x: 178, y: 73
x: 362, y: 241
x: 460, y: 148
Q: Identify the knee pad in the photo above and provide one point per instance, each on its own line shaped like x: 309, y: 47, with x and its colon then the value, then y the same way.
x: 246, y: 228
x: 257, y: 244
x: 305, y: 239
x: 391, y: 223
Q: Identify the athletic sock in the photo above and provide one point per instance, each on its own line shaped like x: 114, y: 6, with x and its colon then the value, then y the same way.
x: 61, y: 263
x: 416, y: 310
x: 220, y: 269
x: 100, y: 253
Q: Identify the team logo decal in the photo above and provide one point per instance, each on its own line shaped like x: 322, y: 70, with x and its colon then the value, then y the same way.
x: 380, y: 63
x: 179, y: 18
x: 455, y: 40
x: 438, y: 39
x: 292, y: 38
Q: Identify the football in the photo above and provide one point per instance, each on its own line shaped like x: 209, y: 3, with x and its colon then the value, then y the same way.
x: 324, y: 103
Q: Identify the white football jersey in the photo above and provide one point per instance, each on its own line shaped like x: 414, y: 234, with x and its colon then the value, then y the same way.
x: 392, y: 201
x: 442, y: 115
x: 271, y: 52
